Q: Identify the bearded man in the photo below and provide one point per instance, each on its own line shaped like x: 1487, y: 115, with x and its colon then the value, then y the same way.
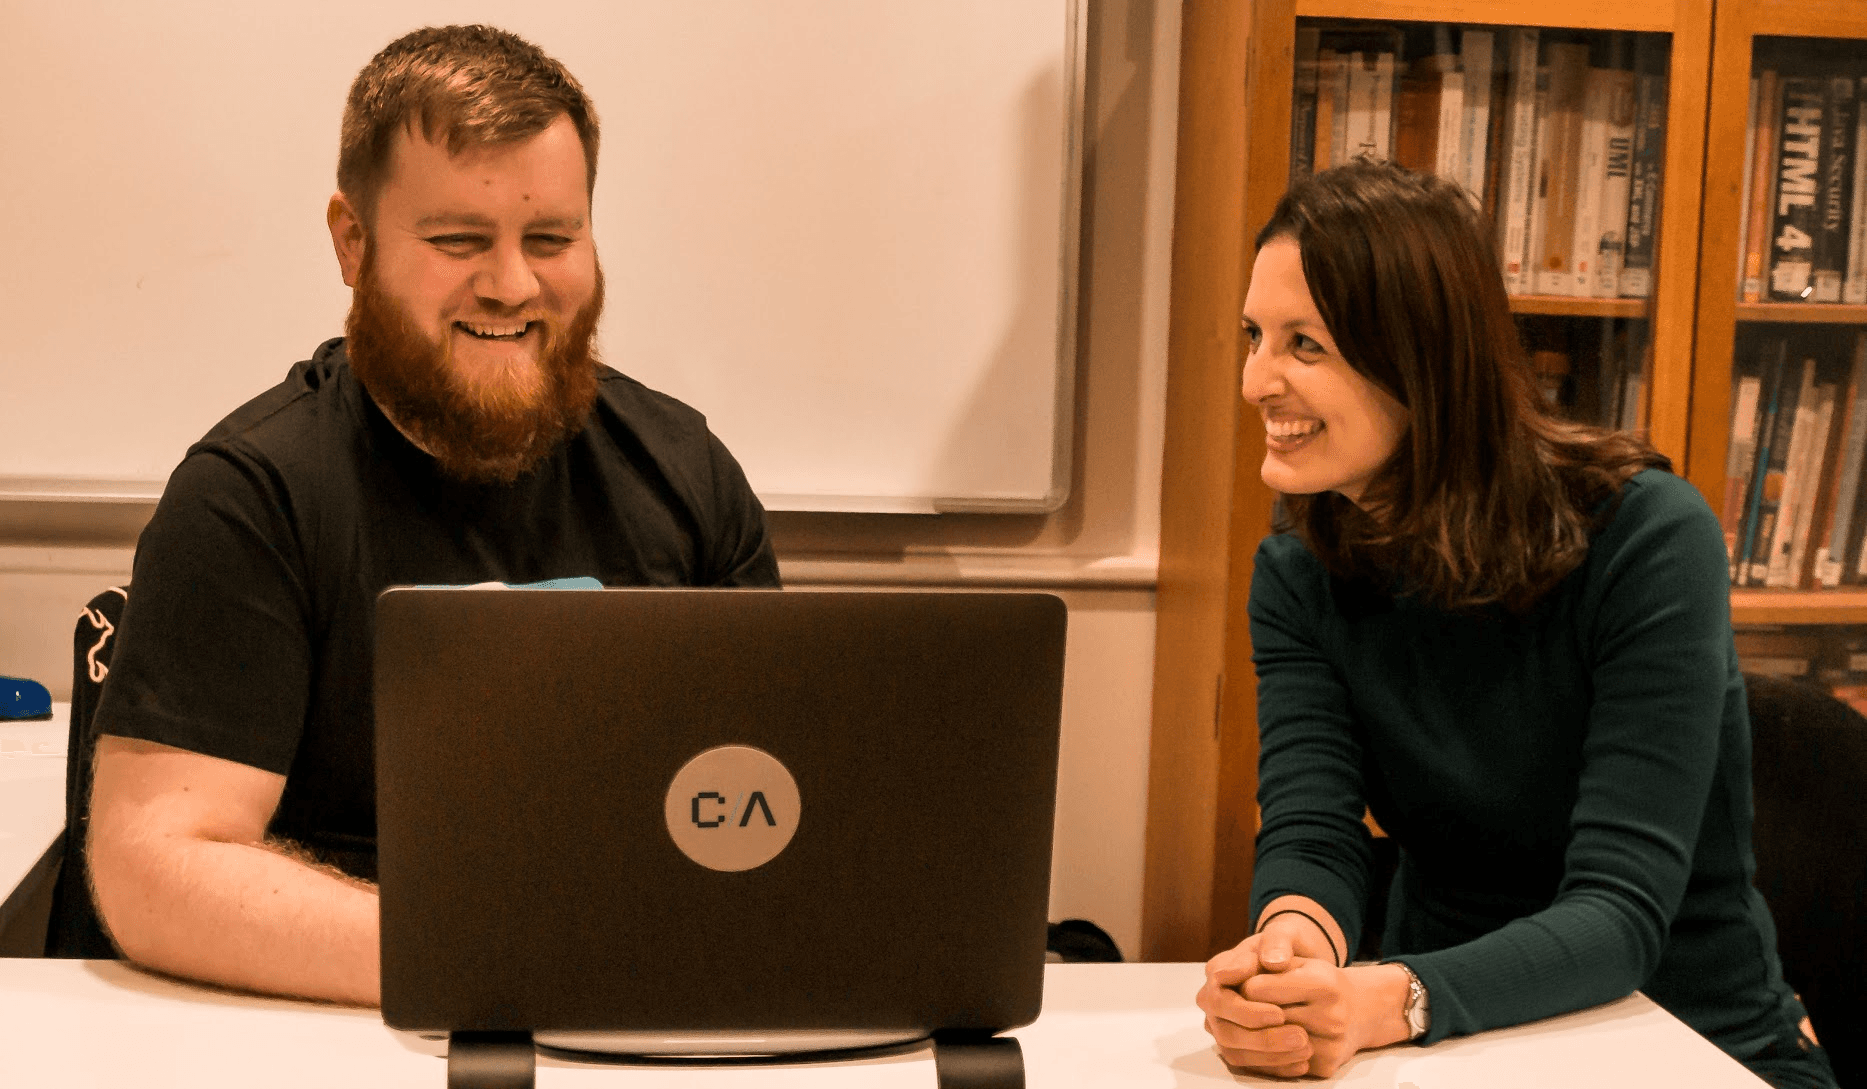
x: 461, y: 432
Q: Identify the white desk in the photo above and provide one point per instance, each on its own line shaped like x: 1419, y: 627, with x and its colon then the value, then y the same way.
x: 32, y: 811
x: 89, y: 1024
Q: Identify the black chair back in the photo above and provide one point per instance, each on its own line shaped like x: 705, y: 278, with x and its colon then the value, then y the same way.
x: 74, y: 929
x: 1809, y: 770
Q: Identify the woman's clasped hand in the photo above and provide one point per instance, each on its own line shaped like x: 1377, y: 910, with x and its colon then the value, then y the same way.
x: 1277, y: 1004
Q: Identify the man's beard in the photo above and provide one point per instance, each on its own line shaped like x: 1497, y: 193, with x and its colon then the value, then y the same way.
x: 481, y: 428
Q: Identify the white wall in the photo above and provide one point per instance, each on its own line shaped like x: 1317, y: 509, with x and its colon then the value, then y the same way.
x: 1099, y: 551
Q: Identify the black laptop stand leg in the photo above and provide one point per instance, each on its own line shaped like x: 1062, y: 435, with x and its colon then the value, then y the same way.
x: 978, y: 1062
x: 491, y: 1060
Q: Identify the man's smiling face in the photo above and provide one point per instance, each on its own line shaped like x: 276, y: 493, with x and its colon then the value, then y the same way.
x: 477, y: 293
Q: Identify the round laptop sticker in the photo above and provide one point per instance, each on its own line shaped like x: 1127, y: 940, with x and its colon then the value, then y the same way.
x: 732, y: 808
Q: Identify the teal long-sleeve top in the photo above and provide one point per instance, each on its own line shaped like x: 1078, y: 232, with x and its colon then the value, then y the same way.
x: 1569, y: 788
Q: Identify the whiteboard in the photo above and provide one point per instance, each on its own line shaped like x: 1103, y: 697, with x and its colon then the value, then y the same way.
x: 842, y: 229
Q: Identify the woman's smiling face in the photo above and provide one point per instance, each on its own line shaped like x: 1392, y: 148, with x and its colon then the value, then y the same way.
x: 1326, y: 427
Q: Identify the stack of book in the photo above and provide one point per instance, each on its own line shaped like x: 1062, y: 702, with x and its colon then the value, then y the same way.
x: 1560, y: 140
x: 1802, y: 238
x: 1833, y: 657
x: 1795, y: 515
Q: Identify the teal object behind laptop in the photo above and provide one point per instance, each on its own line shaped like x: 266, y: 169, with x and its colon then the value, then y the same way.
x: 544, y: 836
x: 21, y: 698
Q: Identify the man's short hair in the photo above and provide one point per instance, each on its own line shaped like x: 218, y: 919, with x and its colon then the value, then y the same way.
x: 468, y: 85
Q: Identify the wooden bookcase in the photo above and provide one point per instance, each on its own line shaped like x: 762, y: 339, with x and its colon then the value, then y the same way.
x: 1237, y: 72
x: 1719, y: 313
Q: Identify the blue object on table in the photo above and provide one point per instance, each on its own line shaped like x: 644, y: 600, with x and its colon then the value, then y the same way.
x: 21, y: 698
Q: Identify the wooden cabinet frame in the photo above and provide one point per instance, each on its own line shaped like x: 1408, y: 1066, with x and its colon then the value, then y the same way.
x: 1718, y: 309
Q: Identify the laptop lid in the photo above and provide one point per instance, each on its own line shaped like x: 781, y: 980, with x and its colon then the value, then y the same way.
x: 725, y: 821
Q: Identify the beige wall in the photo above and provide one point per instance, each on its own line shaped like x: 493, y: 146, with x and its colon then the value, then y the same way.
x: 1099, y: 551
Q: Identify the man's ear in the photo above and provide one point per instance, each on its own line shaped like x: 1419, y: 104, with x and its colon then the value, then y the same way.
x: 348, y: 237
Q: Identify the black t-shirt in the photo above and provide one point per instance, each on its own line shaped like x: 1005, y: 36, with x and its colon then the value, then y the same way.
x: 248, y: 634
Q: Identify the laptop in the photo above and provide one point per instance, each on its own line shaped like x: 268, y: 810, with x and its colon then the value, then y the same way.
x: 715, y: 822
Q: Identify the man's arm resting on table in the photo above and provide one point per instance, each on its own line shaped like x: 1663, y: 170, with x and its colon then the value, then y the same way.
x: 187, y: 884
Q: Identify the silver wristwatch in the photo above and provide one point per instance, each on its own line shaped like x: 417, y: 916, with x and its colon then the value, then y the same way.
x: 1419, y: 1015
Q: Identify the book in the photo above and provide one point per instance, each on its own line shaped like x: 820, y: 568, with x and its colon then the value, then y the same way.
x: 1303, y: 104
x: 1382, y: 123
x: 1616, y: 184
x: 1552, y: 375
x: 1416, y: 136
x: 1762, y: 186
x: 1766, y: 484
x: 1535, y: 226
x: 1494, y: 142
x: 1359, y: 133
x: 1568, y: 78
x: 1743, y: 214
x: 1808, y: 489
x: 1776, y: 652
x: 1646, y: 172
x: 1591, y: 154
x: 1331, y: 108
x: 1449, y: 155
x: 1854, y: 285
x: 1833, y: 530
x: 1833, y: 187
x: 1773, y: 570
x: 1518, y: 150
x: 1799, y: 157
x: 1741, y: 455
x: 1476, y: 50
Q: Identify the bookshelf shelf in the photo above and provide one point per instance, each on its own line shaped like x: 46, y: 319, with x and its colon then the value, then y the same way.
x: 1592, y: 14
x: 1569, y: 306
x: 1803, y: 313
x: 1798, y: 606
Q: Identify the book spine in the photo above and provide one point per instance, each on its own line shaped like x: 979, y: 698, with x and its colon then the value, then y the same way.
x: 1817, y: 466
x: 1766, y: 480
x: 1646, y: 171
x: 1792, y: 237
x: 1740, y: 457
x: 1448, y: 151
x: 1591, y: 166
x: 1568, y: 76
x: 1853, y: 446
x: 1303, y: 104
x: 1831, y: 209
x: 1762, y: 185
x: 1519, y: 178
x: 1381, y: 124
x: 1794, y: 478
x: 1854, y: 287
x: 1477, y: 49
x: 1361, y: 140
x: 1494, y: 142
x: 1616, y: 186
x: 1537, y: 225
x: 1334, y: 74
x: 1743, y: 214
x: 1418, y: 110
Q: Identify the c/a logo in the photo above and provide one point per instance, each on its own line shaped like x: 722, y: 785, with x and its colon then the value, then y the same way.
x: 732, y: 808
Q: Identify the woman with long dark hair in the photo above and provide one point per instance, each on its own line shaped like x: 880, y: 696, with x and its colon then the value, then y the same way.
x: 1506, y: 634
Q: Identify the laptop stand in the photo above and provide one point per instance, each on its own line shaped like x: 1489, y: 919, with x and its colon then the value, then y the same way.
x: 506, y: 1060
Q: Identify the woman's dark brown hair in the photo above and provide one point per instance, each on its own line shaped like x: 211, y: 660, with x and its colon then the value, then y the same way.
x: 1489, y: 499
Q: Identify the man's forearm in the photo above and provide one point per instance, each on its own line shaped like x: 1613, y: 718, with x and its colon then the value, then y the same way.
x: 245, y: 916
